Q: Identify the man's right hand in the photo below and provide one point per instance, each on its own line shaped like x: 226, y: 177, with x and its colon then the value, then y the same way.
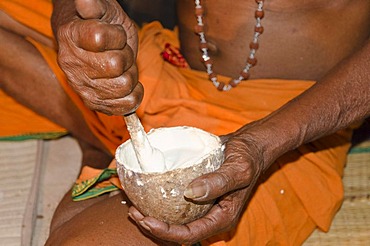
x: 97, y: 52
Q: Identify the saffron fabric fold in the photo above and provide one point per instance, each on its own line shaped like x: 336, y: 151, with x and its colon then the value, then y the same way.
x: 301, y: 191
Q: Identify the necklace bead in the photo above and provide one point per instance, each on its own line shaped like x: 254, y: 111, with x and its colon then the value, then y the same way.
x: 206, y: 59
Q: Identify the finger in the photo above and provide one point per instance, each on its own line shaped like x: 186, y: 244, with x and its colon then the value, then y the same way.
x: 108, y: 64
x: 216, y: 221
x: 90, y: 9
x: 236, y: 172
x: 115, y: 88
x: 99, y: 36
x: 98, y: 9
x: 135, y: 214
x: 111, y: 78
x: 222, y: 217
x: 138, y: 217
x: 211, y: 186
x: 120, y: 106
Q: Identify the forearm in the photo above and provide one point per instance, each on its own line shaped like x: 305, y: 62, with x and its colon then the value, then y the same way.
x: 335, y: 102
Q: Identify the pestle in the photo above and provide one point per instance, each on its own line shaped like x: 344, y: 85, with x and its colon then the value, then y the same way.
x: 149, y: 158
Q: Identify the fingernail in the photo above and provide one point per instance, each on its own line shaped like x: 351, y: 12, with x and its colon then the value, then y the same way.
x: 130, y: 215
x: 196, y: 190
x: 142, y: 223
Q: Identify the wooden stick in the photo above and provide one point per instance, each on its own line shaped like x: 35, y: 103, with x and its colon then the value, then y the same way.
x: 149, y: 158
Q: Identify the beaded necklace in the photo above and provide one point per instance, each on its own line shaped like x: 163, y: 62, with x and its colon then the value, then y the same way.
x: 251, y: 60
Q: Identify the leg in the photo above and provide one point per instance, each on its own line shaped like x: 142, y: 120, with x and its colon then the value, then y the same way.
x: 36, y: 86
x: 103, y: 223
x: 103, y: 219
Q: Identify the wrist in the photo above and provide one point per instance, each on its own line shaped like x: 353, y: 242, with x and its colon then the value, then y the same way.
x: 273, y: 138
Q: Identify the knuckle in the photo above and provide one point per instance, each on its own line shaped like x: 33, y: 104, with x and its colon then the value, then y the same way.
x: 100, y: 36
x: 98, y: 40
x: 116, y: 64
x: 225, y: 182
x: 63, y: 58
x: 92, y: 30
x: 127, y: 82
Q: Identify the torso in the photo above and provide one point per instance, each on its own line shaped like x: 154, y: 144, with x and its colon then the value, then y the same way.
x: 302, y: 39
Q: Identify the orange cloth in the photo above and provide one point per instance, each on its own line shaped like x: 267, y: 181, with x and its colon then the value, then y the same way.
x: 16, y: 121
x: 19, y: 121
x: 303, y: 190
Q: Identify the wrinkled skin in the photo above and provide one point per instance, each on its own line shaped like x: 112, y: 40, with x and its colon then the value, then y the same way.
x: 104, y: 56
x: 99, y: 60
x: 232, y: 184
x: 97, y: 52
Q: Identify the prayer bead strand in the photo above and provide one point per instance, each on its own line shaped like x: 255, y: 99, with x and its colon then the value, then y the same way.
x: 254, y: 45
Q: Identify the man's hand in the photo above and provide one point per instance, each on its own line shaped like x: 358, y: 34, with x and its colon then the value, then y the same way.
x: 97, y: 52
x: 232, y: 184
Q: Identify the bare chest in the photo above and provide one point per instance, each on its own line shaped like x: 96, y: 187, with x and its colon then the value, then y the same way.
x: 301, y: 39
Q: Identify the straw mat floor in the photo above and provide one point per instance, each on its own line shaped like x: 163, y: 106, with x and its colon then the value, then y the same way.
x: 351, y: 225
x: 34, y: 175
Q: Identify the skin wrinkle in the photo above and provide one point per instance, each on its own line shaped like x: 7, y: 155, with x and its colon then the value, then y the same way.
x: 335, y: 118
x: 113, y: 64
x: 112, y: 92
x: 209, y: 220
x: 342, y: 108
x: 227, y: 213
x: 224, y: 181
x: 132, y: 37
x: 71, y: 65
x: 131, y: 29
x: 109, y: 91
x: 129, y: 100
x: 68, y: 34
x: 260, y: 143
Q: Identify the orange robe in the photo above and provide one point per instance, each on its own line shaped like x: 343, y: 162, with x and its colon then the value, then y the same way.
x: 303, y: 189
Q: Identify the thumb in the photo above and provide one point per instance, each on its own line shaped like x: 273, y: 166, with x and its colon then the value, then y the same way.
x: 90, y: 9
x: 236, y: 172
x: 209, y: 186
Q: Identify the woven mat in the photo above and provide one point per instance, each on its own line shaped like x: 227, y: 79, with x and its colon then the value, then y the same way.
x: 351, y: 226
x: 19, y: 183
x: 19, y: 180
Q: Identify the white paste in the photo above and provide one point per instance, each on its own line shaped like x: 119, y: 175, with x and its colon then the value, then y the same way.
x: 181, y: 147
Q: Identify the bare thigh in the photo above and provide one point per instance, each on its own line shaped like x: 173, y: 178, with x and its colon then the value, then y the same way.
x: 106, y: 222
